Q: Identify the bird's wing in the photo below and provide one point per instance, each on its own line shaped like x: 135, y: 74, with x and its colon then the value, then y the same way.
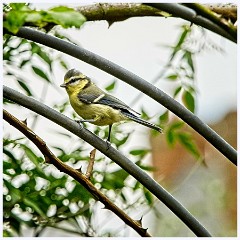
x: 100, y: 97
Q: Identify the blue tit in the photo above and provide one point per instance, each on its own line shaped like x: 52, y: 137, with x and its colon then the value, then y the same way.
x: 96, y: 106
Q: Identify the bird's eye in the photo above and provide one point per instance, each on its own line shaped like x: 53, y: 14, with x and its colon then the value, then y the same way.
x: 74, y: 81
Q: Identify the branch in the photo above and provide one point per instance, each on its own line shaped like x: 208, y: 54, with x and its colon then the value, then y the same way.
x: 114, y: 12
x: 78, y: 176
x: 144, y: 86
x: 112, y: 153
x: 119, y: 12
x: 191, y: 15
x: 207, y: 13
x: 227, y: 11
x: 90, y: 164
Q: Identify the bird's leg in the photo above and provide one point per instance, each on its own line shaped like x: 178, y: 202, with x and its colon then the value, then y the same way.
x: 109, y: 136
x: 109, y: 133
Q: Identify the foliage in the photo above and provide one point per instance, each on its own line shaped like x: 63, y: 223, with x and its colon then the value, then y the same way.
x: 180, y: 71
x: 17, y: 14
x: 36, y: 195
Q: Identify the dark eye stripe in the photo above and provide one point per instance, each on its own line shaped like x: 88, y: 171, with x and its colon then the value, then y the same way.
x: 74, y: 80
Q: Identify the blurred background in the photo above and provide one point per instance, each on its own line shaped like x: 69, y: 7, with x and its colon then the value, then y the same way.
x: 206, y: 186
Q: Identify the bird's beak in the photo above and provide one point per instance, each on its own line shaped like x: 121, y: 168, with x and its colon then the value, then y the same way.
x: 63, y: 85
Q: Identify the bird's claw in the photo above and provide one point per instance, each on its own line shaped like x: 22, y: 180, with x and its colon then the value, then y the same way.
x: 80, y: 123
x: 108, y: 144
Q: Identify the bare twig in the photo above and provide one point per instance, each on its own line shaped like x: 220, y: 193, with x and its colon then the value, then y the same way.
x: 90, y: 164
x: 191, y: 15
x: 227, y: 11
x: 51, y: 158
x: 215, y: 18
x: 122, y: 11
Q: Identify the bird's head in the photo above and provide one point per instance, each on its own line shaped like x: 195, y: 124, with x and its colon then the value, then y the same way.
x: 74, y: 80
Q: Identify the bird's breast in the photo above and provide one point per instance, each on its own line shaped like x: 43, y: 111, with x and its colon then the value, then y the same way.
x: 102, y: 114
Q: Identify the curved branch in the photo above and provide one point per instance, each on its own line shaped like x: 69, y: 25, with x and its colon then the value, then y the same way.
x: 78, y: 176
x: 189, y: 14
x: 208, y: 14
x: 121, y: 11
x: 80, y: 53
x: 227, y: 11
x: 113, y: 12
x: 112, y: 153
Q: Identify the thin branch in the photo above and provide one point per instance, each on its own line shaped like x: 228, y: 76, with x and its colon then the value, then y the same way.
x: 144, y: 86
x: 78, y: 176
x: 113, y: 154
x: 207, y: 13
x: 227, y: 11
x: 189, y: 14
x: 90, y: 164
x: 114, y: 12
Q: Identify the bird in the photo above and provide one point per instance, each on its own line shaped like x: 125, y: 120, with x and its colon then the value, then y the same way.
x: 96, y: 106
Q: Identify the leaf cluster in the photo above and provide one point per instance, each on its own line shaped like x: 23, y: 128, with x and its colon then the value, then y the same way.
x: 35, y: 195
x: 18, y: 14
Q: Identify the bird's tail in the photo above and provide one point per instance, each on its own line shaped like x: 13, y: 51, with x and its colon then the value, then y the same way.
x: 141, y: 121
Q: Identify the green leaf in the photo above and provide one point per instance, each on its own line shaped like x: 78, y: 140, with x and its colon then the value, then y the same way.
x: 177, y: 47
x: 139, y: 152
x: 148, y: 197
x: 172, y: 77
x: 144, y: 115
x: 176, y: 125
x: 170, y: 138
x: 147, y: 168
x: 111, y: 86
x: 171, y: 134
x: 23, y: 63
x: 188, y: 101
x: 24, y: 87
x: 186, y: 30
x: 11, y: 141
x: 121, y: 141
x: 188, y: 56
x: 34, y: 205
x: 44, y: 56
x: 19, y: 6
x: 164, y: 117
x: 186, y: 140
x: 177, y: 91
x: 14, y: 20
x: 15, y: 193
x: 16, y: 17
x: 40, y: 73
x: 36, y: 49
x: 31, y: 155
x: 35, y: 17
x: 63, y: 64
x: 114, y: 180
x: 79, y: 193
x: 65, y: 16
